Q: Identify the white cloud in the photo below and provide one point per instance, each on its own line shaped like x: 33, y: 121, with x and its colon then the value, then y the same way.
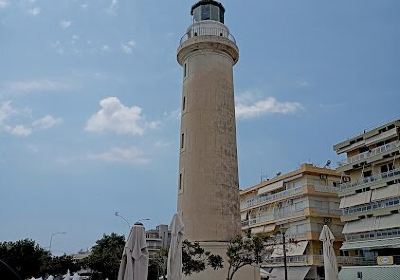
x: 105, y: 48
x: 34, y: 11
x: 118, y: 118
x: 65, y: 24
x: 6, y: 111
x: 131, y: 155
x: 46, y: 122
x: 247, y: 107
x: 4, y: 4
x: 10, y: 115
x: 128, y: 47
x: 34, y: 86
x: 19, y: 130
x: 113, y: 6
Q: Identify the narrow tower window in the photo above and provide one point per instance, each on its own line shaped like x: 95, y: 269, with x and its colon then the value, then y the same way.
x: 182, y: 140
x: 184, y: 103
x: 185, y: 70
x: 180, y: 181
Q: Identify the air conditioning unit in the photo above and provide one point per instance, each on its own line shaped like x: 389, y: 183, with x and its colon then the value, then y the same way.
x: 385, y: 260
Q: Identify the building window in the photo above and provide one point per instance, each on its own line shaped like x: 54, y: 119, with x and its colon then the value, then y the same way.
x: 182, y: 140
x: 184, y: 103
x: 185, y: 70
x: 387, y: 167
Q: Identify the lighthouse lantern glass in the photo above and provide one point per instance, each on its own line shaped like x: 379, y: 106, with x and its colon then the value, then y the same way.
x: 208, y: 12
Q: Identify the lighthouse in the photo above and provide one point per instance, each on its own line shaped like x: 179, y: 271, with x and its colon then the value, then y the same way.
x: 208, y: 185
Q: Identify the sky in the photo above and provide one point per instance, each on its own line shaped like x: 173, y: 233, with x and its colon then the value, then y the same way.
x: 90, y: 94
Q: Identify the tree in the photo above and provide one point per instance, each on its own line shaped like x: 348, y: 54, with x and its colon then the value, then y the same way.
x: 158, y: 265
x: 243, y: 251
x: 25, y: 257
x: 106, y: 255
x: 195, y: 259
x: 60, y: 265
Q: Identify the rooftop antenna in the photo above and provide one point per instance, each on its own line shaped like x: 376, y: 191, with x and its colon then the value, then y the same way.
x: 328, y: 163
x: 263, y: 176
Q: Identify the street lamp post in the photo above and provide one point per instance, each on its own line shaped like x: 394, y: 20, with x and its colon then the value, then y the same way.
x: 117, y: 214
x: 284, y: 253
x: 51, y: 238
x: 282, y: 230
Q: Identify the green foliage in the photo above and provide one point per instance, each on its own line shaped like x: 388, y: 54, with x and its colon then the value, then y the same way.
x: 195, y: 259
x: 106, y: 255
x: 158, y: 265
x: 60, y: 265
x: 25, y: 257
x: 246, y: 251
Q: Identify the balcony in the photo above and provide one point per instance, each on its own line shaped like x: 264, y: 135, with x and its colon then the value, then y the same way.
x: 207, y: 29
x: 370, y: 154
x: 374, y: 235
x: 263, y: 199
x: 318, y: 260
x: 388, y: 205
x: 352, y: 186
x: 282, y: 214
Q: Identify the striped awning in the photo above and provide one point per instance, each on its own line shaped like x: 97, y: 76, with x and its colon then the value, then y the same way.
x: 369, y: 272
x: 297, y: 273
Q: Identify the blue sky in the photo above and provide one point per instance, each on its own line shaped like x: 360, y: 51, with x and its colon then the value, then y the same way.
x: 90, y: 97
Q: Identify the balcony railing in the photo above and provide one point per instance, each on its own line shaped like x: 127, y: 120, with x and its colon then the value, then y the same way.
x: 285, y: 194
x: 373, y: 235
x: 370, y: 207
x: 369, y: 154
x: 367, y: 180
x: 279, y: 214
x: 197, y: 31
x: 319, y: 259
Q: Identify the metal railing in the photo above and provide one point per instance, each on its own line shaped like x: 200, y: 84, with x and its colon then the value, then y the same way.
x: 373, y: 235
x: 265, y: 198
x: 197, y: 31
x: 369, y: 154
x: 319, y: 259
x: 370, y: 207
x: 367, y: 180
x: 280, y: 214
x: 286, y: 193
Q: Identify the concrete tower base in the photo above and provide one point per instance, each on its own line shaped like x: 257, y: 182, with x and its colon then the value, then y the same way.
x: 219, y: 248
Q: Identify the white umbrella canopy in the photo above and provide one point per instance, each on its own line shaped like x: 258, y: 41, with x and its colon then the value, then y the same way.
x: 51, y: 277
x: 76, y: 276
x: 330, y: 263
x: 135, y: 258
x: 174, y: 269
x: 67, y: 276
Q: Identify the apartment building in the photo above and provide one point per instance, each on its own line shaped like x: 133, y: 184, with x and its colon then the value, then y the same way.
x: 158, y: 238
x: 370, y: 200
x: 299, y: 203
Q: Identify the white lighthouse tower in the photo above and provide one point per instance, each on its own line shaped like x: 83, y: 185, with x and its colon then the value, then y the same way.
x: 208, y: 195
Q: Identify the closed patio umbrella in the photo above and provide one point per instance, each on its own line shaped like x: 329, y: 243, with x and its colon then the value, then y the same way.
x: 135, y: 257
x: 330, y: 262
x: 67, y: 276
x: 174, y: 270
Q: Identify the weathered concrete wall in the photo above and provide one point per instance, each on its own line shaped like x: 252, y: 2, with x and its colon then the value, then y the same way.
x: 209, y: 194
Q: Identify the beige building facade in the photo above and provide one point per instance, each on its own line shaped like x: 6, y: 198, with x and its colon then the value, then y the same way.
x: 299, y: 203
x: 370, y: 197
